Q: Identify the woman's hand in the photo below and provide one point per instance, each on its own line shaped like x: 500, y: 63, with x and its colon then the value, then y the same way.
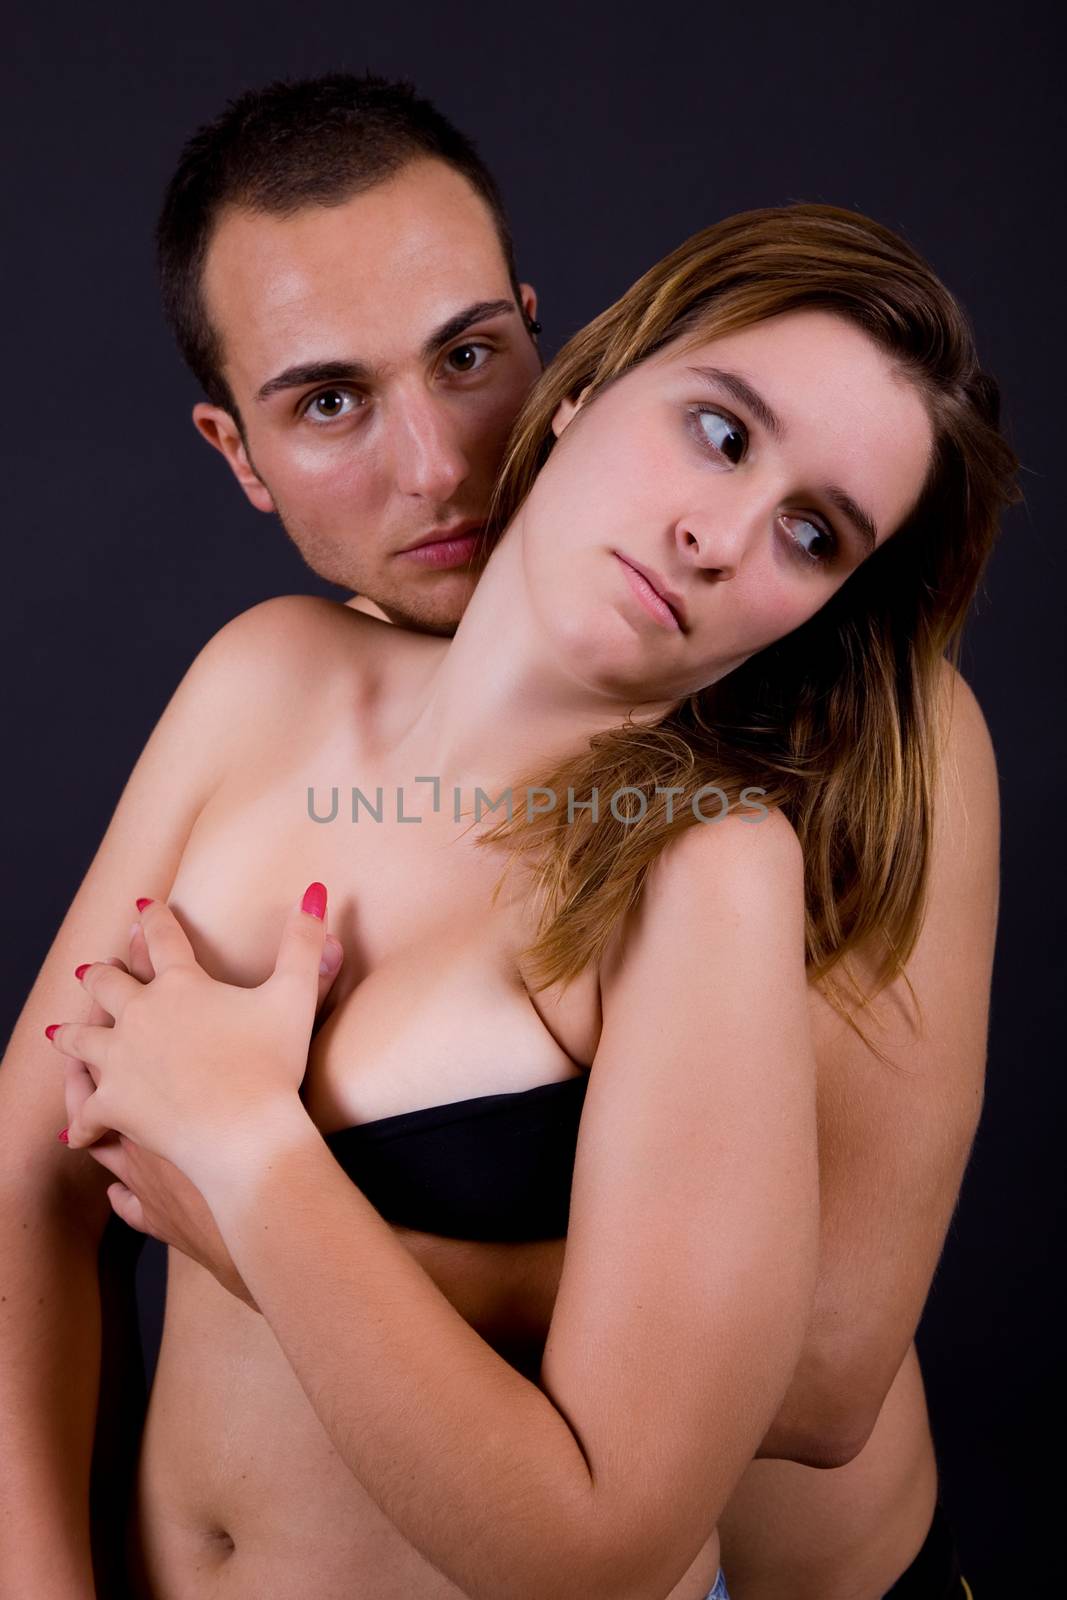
x: 190, y: 1061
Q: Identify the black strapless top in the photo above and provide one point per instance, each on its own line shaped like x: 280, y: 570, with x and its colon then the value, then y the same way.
x: 498, y: 1166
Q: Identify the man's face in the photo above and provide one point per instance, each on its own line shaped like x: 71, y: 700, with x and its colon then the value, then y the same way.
x: 378, y: 359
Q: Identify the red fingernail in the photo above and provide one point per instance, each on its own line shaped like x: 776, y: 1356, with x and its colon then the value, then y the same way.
x: 142, y: 903
x: 314, y: 901
x: 63, y: 1135
x: 79, y: 972
x: 51, y: 1028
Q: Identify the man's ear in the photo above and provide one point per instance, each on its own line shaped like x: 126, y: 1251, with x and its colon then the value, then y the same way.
x: 219, y: 429
x: 528, y: 301
x: 567, y: 410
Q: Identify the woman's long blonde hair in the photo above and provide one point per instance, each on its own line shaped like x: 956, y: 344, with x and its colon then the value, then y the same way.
x: 838, y: 721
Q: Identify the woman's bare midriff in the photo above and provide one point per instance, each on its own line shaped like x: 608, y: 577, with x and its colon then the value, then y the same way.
x: 241, y: 1494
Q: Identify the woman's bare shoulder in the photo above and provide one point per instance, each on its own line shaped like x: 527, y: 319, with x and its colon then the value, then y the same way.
x: 747, y: 852
x: 739, y: 879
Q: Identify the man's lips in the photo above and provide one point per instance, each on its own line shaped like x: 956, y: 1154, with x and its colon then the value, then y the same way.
x: 446, y: 547
x: 459, y: 530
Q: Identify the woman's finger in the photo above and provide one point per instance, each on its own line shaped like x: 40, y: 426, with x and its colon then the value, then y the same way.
x: 89, y: 1044
x: 88, y: 1126
x: 164, y: 937
x: 97, y: 1014
x: 329, y: 966
x: 111, y: 989
x: 78, y: 1085
x: 140, y: 960
x: 302, y: 945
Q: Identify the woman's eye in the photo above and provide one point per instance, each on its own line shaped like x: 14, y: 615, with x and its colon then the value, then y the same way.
x: 329, y: 404
x: 812, y: 552
x: 723, y: 433
x: 468, y: 357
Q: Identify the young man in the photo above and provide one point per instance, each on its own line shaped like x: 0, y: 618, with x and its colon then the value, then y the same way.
x: 338, y: 270
x: 354, y: 318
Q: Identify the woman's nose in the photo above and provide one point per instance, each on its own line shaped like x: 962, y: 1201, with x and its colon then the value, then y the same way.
x: 713, y: 542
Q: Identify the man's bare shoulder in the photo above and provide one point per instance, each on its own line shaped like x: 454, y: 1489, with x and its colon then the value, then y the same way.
x: 966, y: 746
x: 966, y: 831
x: 286, y: 649
x: 290, y: 629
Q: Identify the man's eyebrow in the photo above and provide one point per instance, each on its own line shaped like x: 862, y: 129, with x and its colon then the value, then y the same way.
x: 307, y: 372
x: 743, y: 392
x: 480, y: 311
x: 297, y: 377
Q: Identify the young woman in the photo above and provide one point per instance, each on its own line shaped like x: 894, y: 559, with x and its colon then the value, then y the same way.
x: 743, y: 517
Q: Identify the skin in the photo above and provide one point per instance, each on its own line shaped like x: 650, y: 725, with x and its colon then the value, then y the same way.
x: 578, y: 655
x: 410, y: 443
x: 861, y: 1244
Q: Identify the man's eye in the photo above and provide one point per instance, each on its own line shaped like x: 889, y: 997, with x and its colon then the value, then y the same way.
x: 723, y: 433
x: 468, y: 357
x: 329, y: 404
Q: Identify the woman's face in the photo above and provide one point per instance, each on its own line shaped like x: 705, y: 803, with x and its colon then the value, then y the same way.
x: 748, y: 476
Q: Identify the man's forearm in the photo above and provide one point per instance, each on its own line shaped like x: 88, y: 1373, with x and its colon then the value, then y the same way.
x: 812, y: 1426
x: 507, y: 1292
x: 50, y: 1340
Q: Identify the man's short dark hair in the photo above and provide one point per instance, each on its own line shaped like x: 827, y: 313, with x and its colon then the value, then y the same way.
x: 313, y: 141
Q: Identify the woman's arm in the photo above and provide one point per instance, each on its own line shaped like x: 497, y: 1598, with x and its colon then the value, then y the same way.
x: 53, y: 1206
x: 894, y: 1145
x: 687, y: 1280
x: 504, y: 1290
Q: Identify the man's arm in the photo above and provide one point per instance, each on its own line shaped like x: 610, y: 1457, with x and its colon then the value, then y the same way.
x: 894, y: 1145
x: 53, y: 1205
x: 504, y: 1291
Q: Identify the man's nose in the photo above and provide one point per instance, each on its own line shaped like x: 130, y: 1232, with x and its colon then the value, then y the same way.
x: 429, y: 459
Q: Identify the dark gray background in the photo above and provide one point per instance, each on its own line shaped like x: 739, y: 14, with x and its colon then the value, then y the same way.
x: 614, y: 135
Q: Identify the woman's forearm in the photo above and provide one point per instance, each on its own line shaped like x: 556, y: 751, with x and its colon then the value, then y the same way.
x: 507, y: 1292
x: 468, y: 1459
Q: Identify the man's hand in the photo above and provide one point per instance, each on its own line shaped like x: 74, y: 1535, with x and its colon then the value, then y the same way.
x: 154, y: 1197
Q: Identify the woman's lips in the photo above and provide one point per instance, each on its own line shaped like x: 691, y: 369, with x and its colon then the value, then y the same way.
x: 447, y: 552
x: 657, y: 608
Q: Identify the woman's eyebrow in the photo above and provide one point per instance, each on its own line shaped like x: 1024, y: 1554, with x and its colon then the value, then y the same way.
x: 742, y: 391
